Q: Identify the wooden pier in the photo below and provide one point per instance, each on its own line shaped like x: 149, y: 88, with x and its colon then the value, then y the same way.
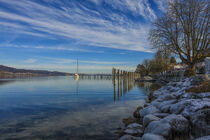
x: 123, y: 81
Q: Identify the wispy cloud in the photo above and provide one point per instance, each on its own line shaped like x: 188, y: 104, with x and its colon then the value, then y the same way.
x: 162, y: 4
x: 47, y: 47
x: 72, y: 20
x: 30, y: 61
x: 136, y: 7
x: 66, y: 61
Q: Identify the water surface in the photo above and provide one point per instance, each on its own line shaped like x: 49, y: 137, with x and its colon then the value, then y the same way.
x: 62, y: 108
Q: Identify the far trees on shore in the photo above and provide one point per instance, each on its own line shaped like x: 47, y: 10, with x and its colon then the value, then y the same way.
x: 183, y: 30
x: 160, y: 63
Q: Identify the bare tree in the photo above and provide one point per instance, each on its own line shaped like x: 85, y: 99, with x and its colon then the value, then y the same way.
x: 147, y: 65
x: 184, y: 30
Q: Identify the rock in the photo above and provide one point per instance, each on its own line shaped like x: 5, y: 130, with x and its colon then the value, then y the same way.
x: 134, y: 126
x: 134, y: 131
x: 203, y: 95
x: 166, y: 105
x: 201, y: 123
x: 130, y: 120
x: 159, y: 92
x: 151, y: 97
x: 179, y: 124
x: 148, y: 110
x: 192, y: 105
x: 161, y: 115
x: 146, y: 104
x: 168, y: 97
x: 165, y: 109
x: 187, y: 107
x: 178, y: 107
x: 196, y: 80
x: 147, y: 78
x: 179, y: 93
x: 187, y: 96
x: 204, y: 138
x: 129, y: 137
x: 158, y: 128
x: 150, y: 136
x: 155, y: 103
x: 136, y: 112
x: 149, y: 118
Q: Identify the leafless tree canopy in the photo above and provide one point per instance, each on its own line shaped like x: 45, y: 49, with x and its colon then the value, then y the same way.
x: 184, y: 30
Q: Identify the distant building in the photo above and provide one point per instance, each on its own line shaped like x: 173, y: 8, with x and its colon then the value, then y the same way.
x: 179, y: 66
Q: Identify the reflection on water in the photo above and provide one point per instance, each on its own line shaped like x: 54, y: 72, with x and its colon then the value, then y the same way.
x: 4, y: 82
x: 62, y: 108
x: 122, y: 85
x: 147, y: 86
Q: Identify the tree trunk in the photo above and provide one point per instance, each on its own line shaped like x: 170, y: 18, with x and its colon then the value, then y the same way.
x: 191, y: 70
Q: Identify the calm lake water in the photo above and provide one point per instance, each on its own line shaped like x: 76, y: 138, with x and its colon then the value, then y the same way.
x: 62, y: 108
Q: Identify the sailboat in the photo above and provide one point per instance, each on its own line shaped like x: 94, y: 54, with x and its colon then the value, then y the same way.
x: 77, y: 74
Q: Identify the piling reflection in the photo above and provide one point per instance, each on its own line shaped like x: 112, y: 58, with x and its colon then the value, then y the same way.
x: 147, y: 86
x: 125, y: 82
x: 122, y: 81
x: 5, y: 82
x: 48, y: 107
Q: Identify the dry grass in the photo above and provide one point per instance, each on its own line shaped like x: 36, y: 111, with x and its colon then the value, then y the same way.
x: 203, y: 87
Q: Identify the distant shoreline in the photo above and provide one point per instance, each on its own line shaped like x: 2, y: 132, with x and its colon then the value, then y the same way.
x: 10, y: 72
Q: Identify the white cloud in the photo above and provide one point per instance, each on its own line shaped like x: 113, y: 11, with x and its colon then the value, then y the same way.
x: 66, y: 61
x: 82, y: 24
x: 162, y: 4
x: 47, y: 47
x: 30, y: 61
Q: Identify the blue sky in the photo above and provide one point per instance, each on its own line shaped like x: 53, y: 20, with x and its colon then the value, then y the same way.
x: 52, y: 34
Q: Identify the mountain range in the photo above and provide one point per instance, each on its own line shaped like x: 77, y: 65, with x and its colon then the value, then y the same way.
x: 7, y: 72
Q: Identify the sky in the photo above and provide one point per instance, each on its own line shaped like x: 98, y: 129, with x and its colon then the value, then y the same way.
x: 53, y: 34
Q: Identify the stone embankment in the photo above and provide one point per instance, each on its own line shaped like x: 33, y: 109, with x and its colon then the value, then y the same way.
x: 171, y: 113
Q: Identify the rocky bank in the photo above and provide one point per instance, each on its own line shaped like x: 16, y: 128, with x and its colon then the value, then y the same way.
x: 171, y: 113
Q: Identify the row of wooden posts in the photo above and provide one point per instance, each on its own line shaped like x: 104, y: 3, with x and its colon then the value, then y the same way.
x: 125, y: 82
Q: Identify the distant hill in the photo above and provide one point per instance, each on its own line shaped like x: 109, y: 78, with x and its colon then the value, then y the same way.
x: 7, y: 72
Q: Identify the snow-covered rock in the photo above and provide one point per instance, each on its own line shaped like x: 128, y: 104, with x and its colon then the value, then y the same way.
x: 161, y: 115
x: 148, y: 110
x: 173, y: 111
x: 158, y: 128
x: 192, y: 105
x: 149, y: 118
x: 201, y: 122
x: 150, y: 136
x: 179, y: 124
x: 203, y: 95
x: 165, y: 97
x: 165, y: 105
x: 187, y: 95
x: 155, y: 103
x: 134, y: 126
x: 133, y: 131
x: 178, y: 107
x: 204, y: 138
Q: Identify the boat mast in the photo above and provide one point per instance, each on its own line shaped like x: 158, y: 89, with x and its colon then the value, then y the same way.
x: 77, y: 66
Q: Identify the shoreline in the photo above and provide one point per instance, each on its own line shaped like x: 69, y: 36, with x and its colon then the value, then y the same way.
x: 172, y: 112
